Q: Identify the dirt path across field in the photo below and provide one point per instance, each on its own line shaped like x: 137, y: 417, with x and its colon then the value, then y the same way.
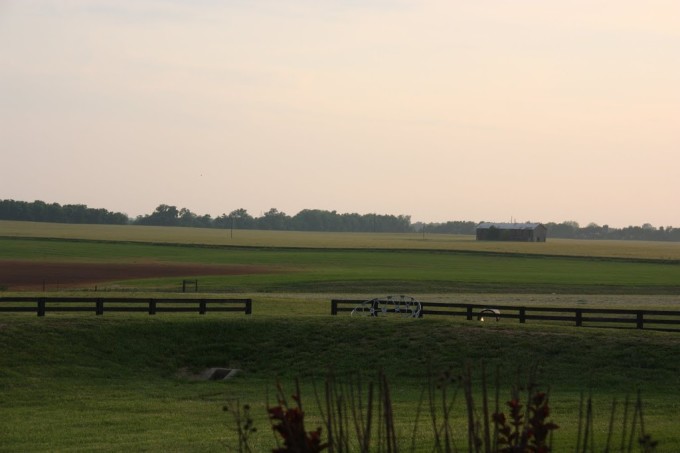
x: 29, y: 275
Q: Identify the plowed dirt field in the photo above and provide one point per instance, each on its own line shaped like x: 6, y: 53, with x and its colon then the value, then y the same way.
x: 30, y: 275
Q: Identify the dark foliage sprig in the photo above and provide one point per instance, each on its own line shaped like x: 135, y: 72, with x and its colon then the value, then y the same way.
x: 289, y: 423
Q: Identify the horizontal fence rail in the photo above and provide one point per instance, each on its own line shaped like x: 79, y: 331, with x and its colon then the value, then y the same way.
x: 99, y: 305
x: 575, y: 316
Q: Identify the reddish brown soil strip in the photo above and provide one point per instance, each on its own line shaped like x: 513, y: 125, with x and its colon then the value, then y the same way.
x: 28, y: 275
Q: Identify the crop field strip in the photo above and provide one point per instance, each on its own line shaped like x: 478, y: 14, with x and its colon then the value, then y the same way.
x: 667, y: 251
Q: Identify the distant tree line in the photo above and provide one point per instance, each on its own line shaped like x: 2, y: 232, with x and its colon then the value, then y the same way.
x: 646, y: 232
x: 39, y: 211
x: 306, y: 220
x: 454, y: 227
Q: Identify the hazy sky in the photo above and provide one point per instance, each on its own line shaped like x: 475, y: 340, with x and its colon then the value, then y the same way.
x: 443, y: 110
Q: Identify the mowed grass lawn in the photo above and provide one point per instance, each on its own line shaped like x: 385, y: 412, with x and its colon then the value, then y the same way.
x: 118, y: 382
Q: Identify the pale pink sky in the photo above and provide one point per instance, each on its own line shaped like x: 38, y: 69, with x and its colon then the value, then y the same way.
x: 442, y: 110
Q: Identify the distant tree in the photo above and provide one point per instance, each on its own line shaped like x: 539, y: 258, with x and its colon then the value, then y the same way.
x: 164, y: 215
x: 673, y: 234
x: 241, y: 219
x: 273, y: 220
x: 454, y: 227
x: 236, y: 219
x: 204, y: 221
x: 351, y: 221
x: 567, y: 229
x: 592, y: 231
x: 76, y: 213
x: 386, y: 223
x: 186, y: 218
x: 316, y: 220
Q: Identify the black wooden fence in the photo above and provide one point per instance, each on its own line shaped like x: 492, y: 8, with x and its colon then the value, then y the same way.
x: 98, y: 305
x: 576, y: 316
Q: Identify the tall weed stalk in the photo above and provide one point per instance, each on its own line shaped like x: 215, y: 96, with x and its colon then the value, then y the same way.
x: 359, y: 416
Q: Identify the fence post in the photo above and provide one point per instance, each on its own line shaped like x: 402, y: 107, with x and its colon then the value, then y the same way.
x: 100, y: 307
x: 334, y: 307
x: 41, y: 307
x: 579, y: 318
x: 522, y: 315
x: 152, y: 306
x: 469, y: 312
x: 249, y: 306
x: 189, y: 282
x: 640, y: 320
x: 201, y: 307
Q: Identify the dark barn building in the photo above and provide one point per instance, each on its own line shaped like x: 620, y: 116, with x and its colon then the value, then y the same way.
x: 524, y: 232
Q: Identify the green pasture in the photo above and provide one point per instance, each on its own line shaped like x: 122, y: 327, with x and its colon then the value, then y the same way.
x: 360, y: 270
x: 123, y: 382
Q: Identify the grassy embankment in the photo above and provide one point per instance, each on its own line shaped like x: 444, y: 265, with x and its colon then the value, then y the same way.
x: 72, y: 382
x: 111, y: 383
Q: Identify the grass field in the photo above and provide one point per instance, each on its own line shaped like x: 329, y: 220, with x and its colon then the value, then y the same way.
x: 112, y: 383
x: 76, y: 382
x: 366, y: 271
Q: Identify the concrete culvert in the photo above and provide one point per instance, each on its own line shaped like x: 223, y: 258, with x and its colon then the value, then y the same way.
x: 219, y: 374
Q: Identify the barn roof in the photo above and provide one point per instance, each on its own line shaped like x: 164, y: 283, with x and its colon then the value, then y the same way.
x: 508, y: 226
